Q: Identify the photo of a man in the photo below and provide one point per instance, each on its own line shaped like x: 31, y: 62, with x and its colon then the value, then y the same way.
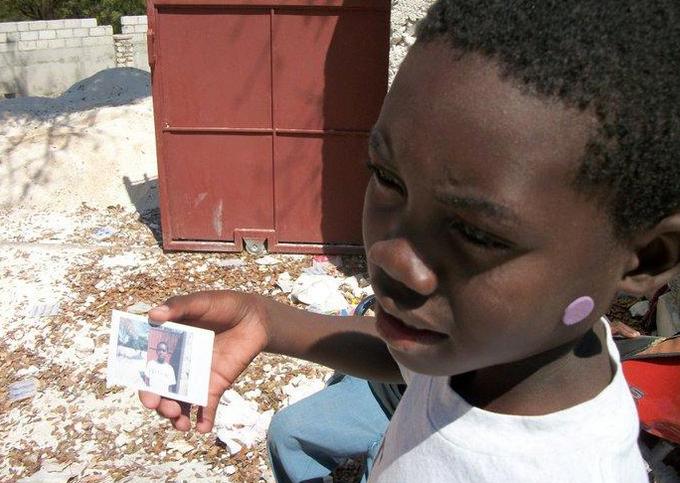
x: 159, y: 375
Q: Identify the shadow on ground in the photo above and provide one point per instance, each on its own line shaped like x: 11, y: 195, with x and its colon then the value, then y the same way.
x: 109, y: 87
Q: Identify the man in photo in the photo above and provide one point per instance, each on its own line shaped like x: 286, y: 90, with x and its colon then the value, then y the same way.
x: 159, y: 374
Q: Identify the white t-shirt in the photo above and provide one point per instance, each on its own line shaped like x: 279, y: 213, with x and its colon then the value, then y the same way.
x: 161, y: 376
x: 436, y: 436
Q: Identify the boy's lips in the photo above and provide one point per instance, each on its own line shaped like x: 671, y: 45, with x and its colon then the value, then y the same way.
x: 401, y: 336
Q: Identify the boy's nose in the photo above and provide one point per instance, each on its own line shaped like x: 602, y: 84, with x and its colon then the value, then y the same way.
x: 399, y: 260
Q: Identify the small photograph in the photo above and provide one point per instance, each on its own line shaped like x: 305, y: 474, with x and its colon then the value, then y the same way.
x: 171, y: 360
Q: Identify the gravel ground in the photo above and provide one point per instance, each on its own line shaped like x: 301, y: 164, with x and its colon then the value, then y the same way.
x: 77, y: 427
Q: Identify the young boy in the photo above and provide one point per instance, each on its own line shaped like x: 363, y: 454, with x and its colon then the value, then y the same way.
x: 524, y: 173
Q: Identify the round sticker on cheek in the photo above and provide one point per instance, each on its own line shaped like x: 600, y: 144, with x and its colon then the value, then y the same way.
x: 578, y: 310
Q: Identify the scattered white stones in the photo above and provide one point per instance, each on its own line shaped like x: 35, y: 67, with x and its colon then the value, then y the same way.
x: 124, y: 260
x: 54, y: 472
x: 267, y: 260
x: 229, y: 263
x: 121, y: 440
x: 84, y: 344
x: 141, y: 308
x: 181, y: 446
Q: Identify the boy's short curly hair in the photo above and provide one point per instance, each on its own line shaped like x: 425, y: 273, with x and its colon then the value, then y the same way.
x: 617, y: 58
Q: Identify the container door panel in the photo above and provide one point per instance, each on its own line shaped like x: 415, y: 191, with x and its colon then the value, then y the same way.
x: 216, y: 67
x: 329, y: 76
x: 325, y: 69
x: 218, y: 184
x: 320, y: 188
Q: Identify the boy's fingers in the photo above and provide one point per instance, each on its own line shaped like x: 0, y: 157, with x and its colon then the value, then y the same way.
x: 183, y: 421
x: 149, y: 400
x: 169, y: 409
x: 189, y: 307
x: 619, y: 328
x: 206, y: 415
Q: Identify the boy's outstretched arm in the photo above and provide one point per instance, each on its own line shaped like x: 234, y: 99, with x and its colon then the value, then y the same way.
x: 247, y: 324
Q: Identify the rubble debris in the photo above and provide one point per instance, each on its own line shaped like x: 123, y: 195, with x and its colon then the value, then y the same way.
x: 639, y: 309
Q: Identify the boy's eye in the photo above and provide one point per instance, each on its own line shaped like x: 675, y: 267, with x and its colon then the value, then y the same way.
x: 384, y: 177
x: 477, y: 237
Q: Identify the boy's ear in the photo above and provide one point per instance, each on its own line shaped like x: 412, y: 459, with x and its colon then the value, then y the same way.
x: 655, y: 258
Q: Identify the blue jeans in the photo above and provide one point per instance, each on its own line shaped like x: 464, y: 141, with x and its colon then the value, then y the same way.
x: 308, y: 439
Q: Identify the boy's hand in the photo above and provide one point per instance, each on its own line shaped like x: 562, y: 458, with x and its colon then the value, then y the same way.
x: 240, y: 324
x: 623, y: 330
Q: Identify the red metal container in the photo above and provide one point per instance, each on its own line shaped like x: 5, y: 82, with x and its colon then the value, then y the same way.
x: 262, y: 112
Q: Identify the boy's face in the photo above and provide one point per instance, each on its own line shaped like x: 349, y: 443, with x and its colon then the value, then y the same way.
x: 162, y: 353
x: 474, y: 234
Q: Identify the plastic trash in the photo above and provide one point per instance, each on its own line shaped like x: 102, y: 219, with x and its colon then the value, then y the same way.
x: 43, y: 310
x: 284, y: 282
x: 103, y: 232
x: 23, y: 389
x: 320, y: 292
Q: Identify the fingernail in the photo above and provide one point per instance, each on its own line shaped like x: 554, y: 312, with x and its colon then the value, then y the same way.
x: 636, y: 333
x: 160, y: 308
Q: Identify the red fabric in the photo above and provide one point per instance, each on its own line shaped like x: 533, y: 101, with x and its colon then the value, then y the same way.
x: 655, y: 385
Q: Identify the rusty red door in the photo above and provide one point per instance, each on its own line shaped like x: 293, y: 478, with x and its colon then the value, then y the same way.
x: 262, y: 113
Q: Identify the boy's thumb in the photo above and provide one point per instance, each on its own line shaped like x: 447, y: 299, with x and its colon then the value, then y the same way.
x: 160, y: 313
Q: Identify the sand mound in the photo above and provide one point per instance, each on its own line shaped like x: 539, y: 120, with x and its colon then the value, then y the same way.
x: 94, y: 144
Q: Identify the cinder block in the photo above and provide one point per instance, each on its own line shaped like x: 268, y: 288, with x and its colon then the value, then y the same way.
x: 22, y: 26
x: 37, y: 25
x: 28, y: 36
x: 87, y: 41
x: 140, y: 29
x: 55, y: 24
x: 88, y: 22
x: 64, y: 33
x: 27, y: 45
x: 101, y: 30
x: 5, y: 47
x: 74, y: 42
x: 72, y: 23
x: 128, y: 29
x: 42, y: 44
x: 3, y: 38
x: 13, y: 36
x: 8, y: 27
x: 143, y: 19
x: 127, y: 20
x: 56, y: 43
x: 47, y: 34
x: 81, y: 32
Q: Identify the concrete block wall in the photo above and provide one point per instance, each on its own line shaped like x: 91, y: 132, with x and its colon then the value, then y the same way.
x: 405, y: 16
x: 136, y: 26
x: 45, y: 57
